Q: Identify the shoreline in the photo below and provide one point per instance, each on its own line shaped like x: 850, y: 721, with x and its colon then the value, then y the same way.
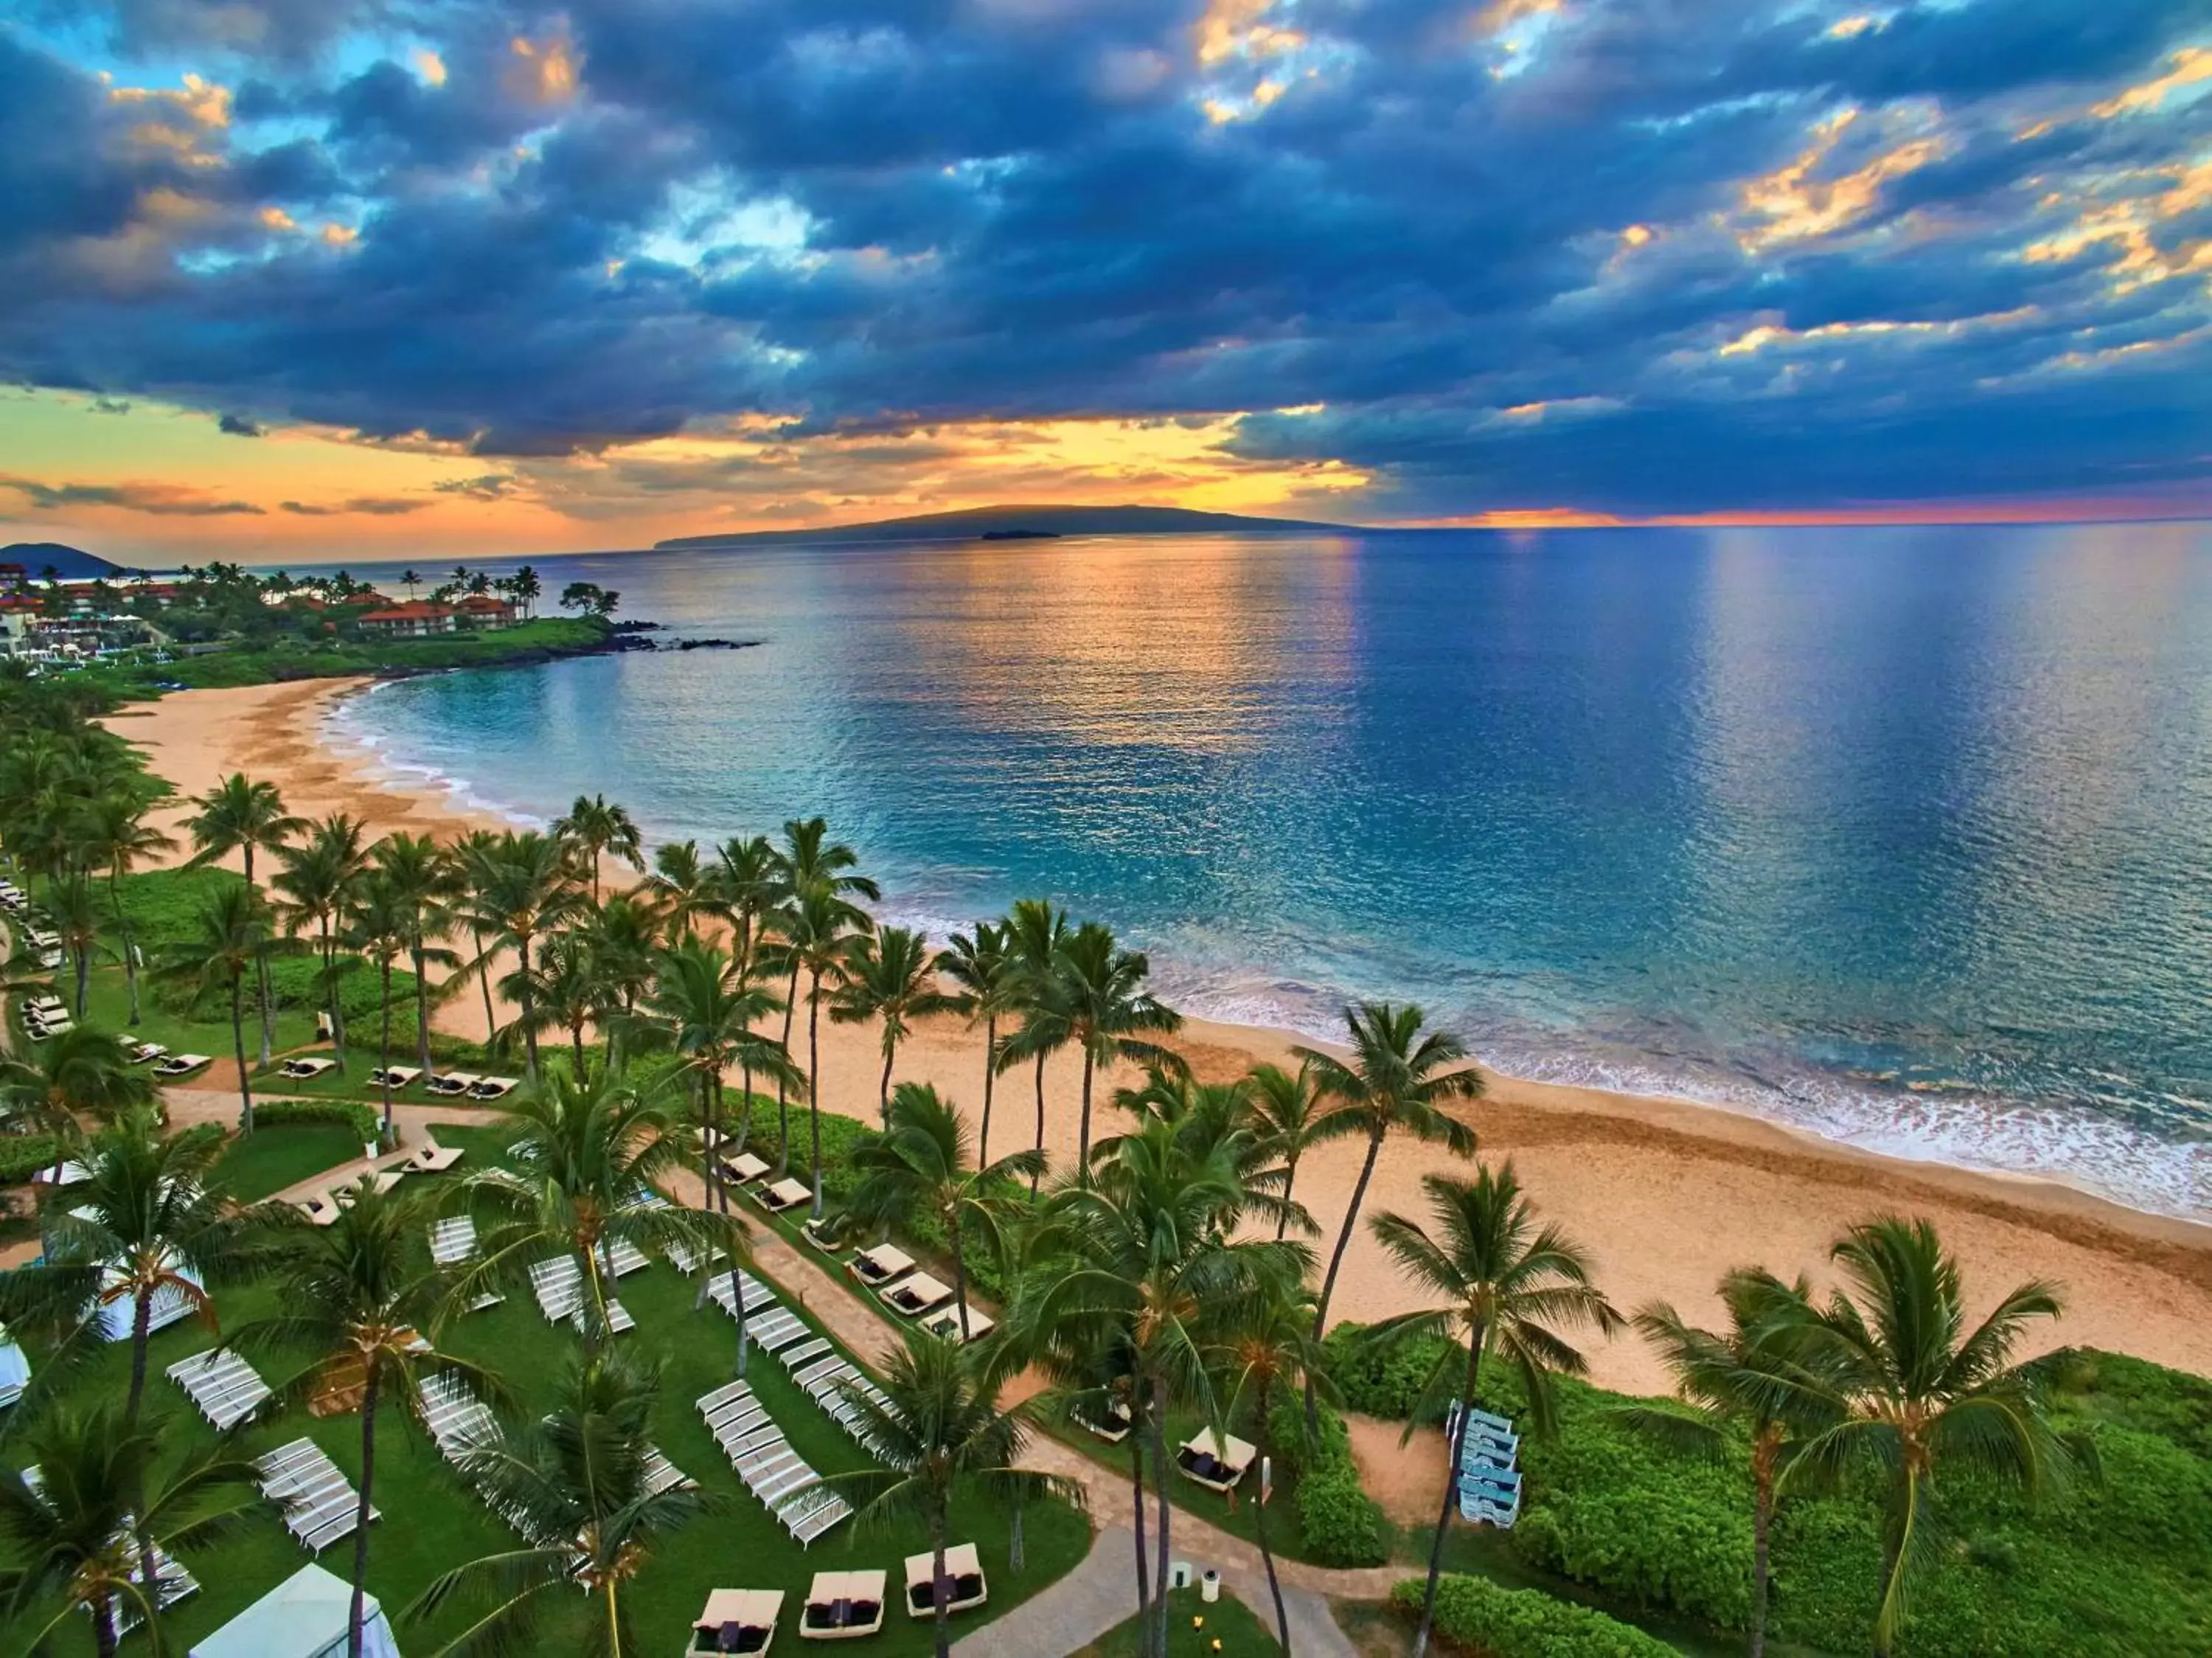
x: 1666, y: 1192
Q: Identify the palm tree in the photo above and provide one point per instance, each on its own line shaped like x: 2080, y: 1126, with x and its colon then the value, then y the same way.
x: 409, y: 580
x: 80, y: 1071
x: 1397, y: 1083
x: 231, y: 937
x: 576, y: 1484
x: 379, y: 922
x: 362, y: 1298
x: 683, y: 888
x: 1289, y: 1110
x: 595, y: 824
x: 563, y: 989
x: 1508, y: 1289
x: 238, y: 816
x: 475, y: 856
x: 936, y: 1427
x: 1268, y: 1345
x: 745, y: 878
x: 1742, y: 1381
x: 589, y: 1152
x: 979, y: 963
x: 418, y: 884
x: 113, y: 833
x: 1914, y: 1391
x: 1035, y: 931
x: 922, y: 1163
x: 1097, y: 992
x: 67, y: 1538
x: 76, y: 918
x: 521, y: 888
x: 889, y: 976
x: 817, y: 933
x: 809, y: 862
x: 315, y: 881
x: 623, y: 935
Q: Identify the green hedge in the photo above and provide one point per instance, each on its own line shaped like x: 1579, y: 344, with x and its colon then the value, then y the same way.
x: 1341, y: 1524
x: 1477, y: 1615
x: 23, y: 1156
x: 363, y: 1120
x: 1374, y: 1381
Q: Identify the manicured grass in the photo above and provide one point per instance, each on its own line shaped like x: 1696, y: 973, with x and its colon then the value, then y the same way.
x: 256, y: 1164
x: 1227, y: 1628
x: 430, y: 1522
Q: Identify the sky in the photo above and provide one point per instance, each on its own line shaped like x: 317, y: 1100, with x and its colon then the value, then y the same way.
x: 313, y: 279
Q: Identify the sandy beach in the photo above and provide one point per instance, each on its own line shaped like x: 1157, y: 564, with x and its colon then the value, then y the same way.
x: 1667, y: 1195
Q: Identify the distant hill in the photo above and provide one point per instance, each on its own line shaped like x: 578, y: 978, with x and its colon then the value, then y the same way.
x: 71, y: 564
x: 978, y: 522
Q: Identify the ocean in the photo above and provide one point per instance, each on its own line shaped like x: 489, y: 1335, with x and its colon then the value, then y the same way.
x: 1902, y: 836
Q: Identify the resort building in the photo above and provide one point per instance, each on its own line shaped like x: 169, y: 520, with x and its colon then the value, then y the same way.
x: 418, y: 619
x: 484, y: 610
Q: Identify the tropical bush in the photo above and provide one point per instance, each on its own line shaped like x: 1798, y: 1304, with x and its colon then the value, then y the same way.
x: 1378, y: 1381
x: 1341, y: 1524
x: 339, y: 1114
x: 23, y: 1156
x: 1477, y: 1615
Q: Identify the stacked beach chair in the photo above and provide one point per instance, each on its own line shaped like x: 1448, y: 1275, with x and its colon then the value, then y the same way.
x: 458, y: 1421
x: 768, y: 1465
x: 758, y: 1297
x: 319, y: 1502
x: 1489, y: 1483
x: 453, y: 1241
x: 222, y: 1386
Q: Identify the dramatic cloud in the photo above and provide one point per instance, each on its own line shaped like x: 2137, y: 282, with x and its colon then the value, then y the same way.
x: 237, y: 425
x: 1408, y: 259
x: 376, y: 506
x: 157, y: 499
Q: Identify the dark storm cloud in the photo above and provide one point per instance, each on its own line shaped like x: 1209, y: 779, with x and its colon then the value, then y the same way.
x: 237, y: 425
x: 159, y: 500
x: 1760, y: 254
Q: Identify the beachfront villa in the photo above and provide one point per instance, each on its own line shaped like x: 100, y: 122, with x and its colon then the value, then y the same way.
x: 423, y: 618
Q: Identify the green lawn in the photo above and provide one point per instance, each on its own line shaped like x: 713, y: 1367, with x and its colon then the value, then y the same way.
x: 269, y: 1159
x: 430, y: 1522
x: 1227, y: 1628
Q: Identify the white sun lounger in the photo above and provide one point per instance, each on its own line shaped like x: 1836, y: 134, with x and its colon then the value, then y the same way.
x: 300, y: 1069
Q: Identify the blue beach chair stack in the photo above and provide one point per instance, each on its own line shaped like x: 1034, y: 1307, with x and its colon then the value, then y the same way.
x: 1489, y: 1481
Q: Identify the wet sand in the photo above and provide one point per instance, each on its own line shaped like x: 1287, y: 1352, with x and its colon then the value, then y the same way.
x: 1666, y: 1195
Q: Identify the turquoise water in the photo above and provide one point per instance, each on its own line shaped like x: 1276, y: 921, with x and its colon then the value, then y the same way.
x: 1902, y: 836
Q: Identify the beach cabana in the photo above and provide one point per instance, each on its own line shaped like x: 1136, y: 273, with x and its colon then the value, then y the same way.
x: 945, y: 1326
x: 492, y: 1088
x: 145, y: 1054
x: 826, y: 1235
x: 453, y: 1083
x: 744, y: 1167
x: 736, y: 1620
x: 784, y: 1194
x: 431, y: 1158
x: 1216, y: 1461
x: 182, y: 1065
x: 916, y: 1294
x: 963, y: 1565
x: 880, y: 1265
x: 300, y: 1069
x: 15, y: 1369
x: 303, y: 1617
x: 396, y: 1077
x: 842, y: 1605
x: 1112, y: 1424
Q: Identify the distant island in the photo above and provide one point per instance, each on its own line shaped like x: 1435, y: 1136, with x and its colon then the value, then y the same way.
x: 1020, y: 524
x: 68, y: 564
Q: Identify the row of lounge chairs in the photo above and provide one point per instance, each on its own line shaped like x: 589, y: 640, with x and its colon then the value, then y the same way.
x: 222, y: 1386
x: 45, y: 1015
x: 319, y: 1502
x: 37, y: 930
x: 453, y: 1241
x: 767, y: 1463
x: 890, y: 1272
x: 430, y: 1158
x: 840, y: 1606
x: 1488, y: 1482
x: 450, y: 1085
x: 834, y: 1382
x: 558, y: 1282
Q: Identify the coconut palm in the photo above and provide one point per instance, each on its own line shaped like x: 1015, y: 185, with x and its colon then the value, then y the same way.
x: 69, y: 1540
x: 623, y: 935
x: 522, y: 886
x: 1035, y: 931
x: 745, y: 877
x: 596, y: 826
x: 587, y: 1159
x: 1509, y: 1288
x: 380, y: 922
x: 76, y: 918
x: 935, y: 1427
x: 1097, y: 991
x: 889, y: 976
x: 239, y: 815
x: 362, y: 1298
x: 1290, y: 1112
x: 314, y: 881
x: 1744, y: 1383
x: 418, y: 882
x: 474, y: 857
x: 978, y: 962
x: 816, y: 933
x: 808, y: 862
x: 575, y: 1482
x: 561, y: 991
x: 1915, y: 1391
x: 1267, y: 1346
x: 81, y: 1071
x: 1397, y: 1083
x: 230, y: 937
x: 923, y: 1164
x: 682, y: 888
x: 114, y: 836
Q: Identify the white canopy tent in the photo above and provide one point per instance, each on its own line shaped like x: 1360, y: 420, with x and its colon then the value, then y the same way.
x: 15, y: 1369
x: 303, y: 1617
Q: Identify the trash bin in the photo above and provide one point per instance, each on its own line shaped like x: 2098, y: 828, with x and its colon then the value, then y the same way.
x: 1209, y: 1587
x: 1179, y: 1575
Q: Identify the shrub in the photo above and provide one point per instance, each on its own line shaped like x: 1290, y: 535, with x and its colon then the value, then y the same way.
x: 1342, y: 1525
x: 292, y: 984
x: 363, y: 1120
x: 23, y: 1156
x: 1375, y: 1381
x: 1479, y: 1616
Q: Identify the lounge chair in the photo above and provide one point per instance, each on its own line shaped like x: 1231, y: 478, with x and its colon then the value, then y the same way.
x: 300, y: 1069
x: 842, y: 1605
x: 946, y: 1326
x: 70, y: 1173
x: 736, y: 1620
x: 880, y: 1265
x: 826, y: 1235
x: 744, y: 1167
x: 1113, y: 1428
x: 492, y: 1088
x: 147, y: 1053
x: 433, y: 1158
x: 963, y: 1565
x: 182, y: 1065
x: 453, y: 1084
x: 395, y: 1076
x: 916, y: 1294
x: 319, y: 1207
x: 1216, y: 1461
x: 784, y: 1194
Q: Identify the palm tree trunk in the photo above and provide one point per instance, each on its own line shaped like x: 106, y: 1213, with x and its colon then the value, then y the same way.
x: 384, y: 1047
x: 362, y: 1511
x: 1476, y: 1337
x: 238, y: 1042
x: 1082, y: 1134
x: 959, y: 1265
x: 1897, y: 1548
x: 260, y: 968
x: 990, y: 1076
x: 1762, y: 1521
x: 782, y: 1102
x: 1040, y: 1103
x: 1156, y: 1426
x: 142, y: 1324
x: 713, y: 1157
x: 1336, y: 1264
x: 940, y: 1584
x: 1283, y: 1219
x: 814, y: 1080
x: 1260, y: 1528
x: 576, y: 1048
x: 1137, y: 1480
x: 104, y: 1638
x: 529, y: 1023
x: 122, y: 930
x: 483, y: 979
x: 746, y: 1112
x: 883, y: 1082
x: 422, y: 1006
